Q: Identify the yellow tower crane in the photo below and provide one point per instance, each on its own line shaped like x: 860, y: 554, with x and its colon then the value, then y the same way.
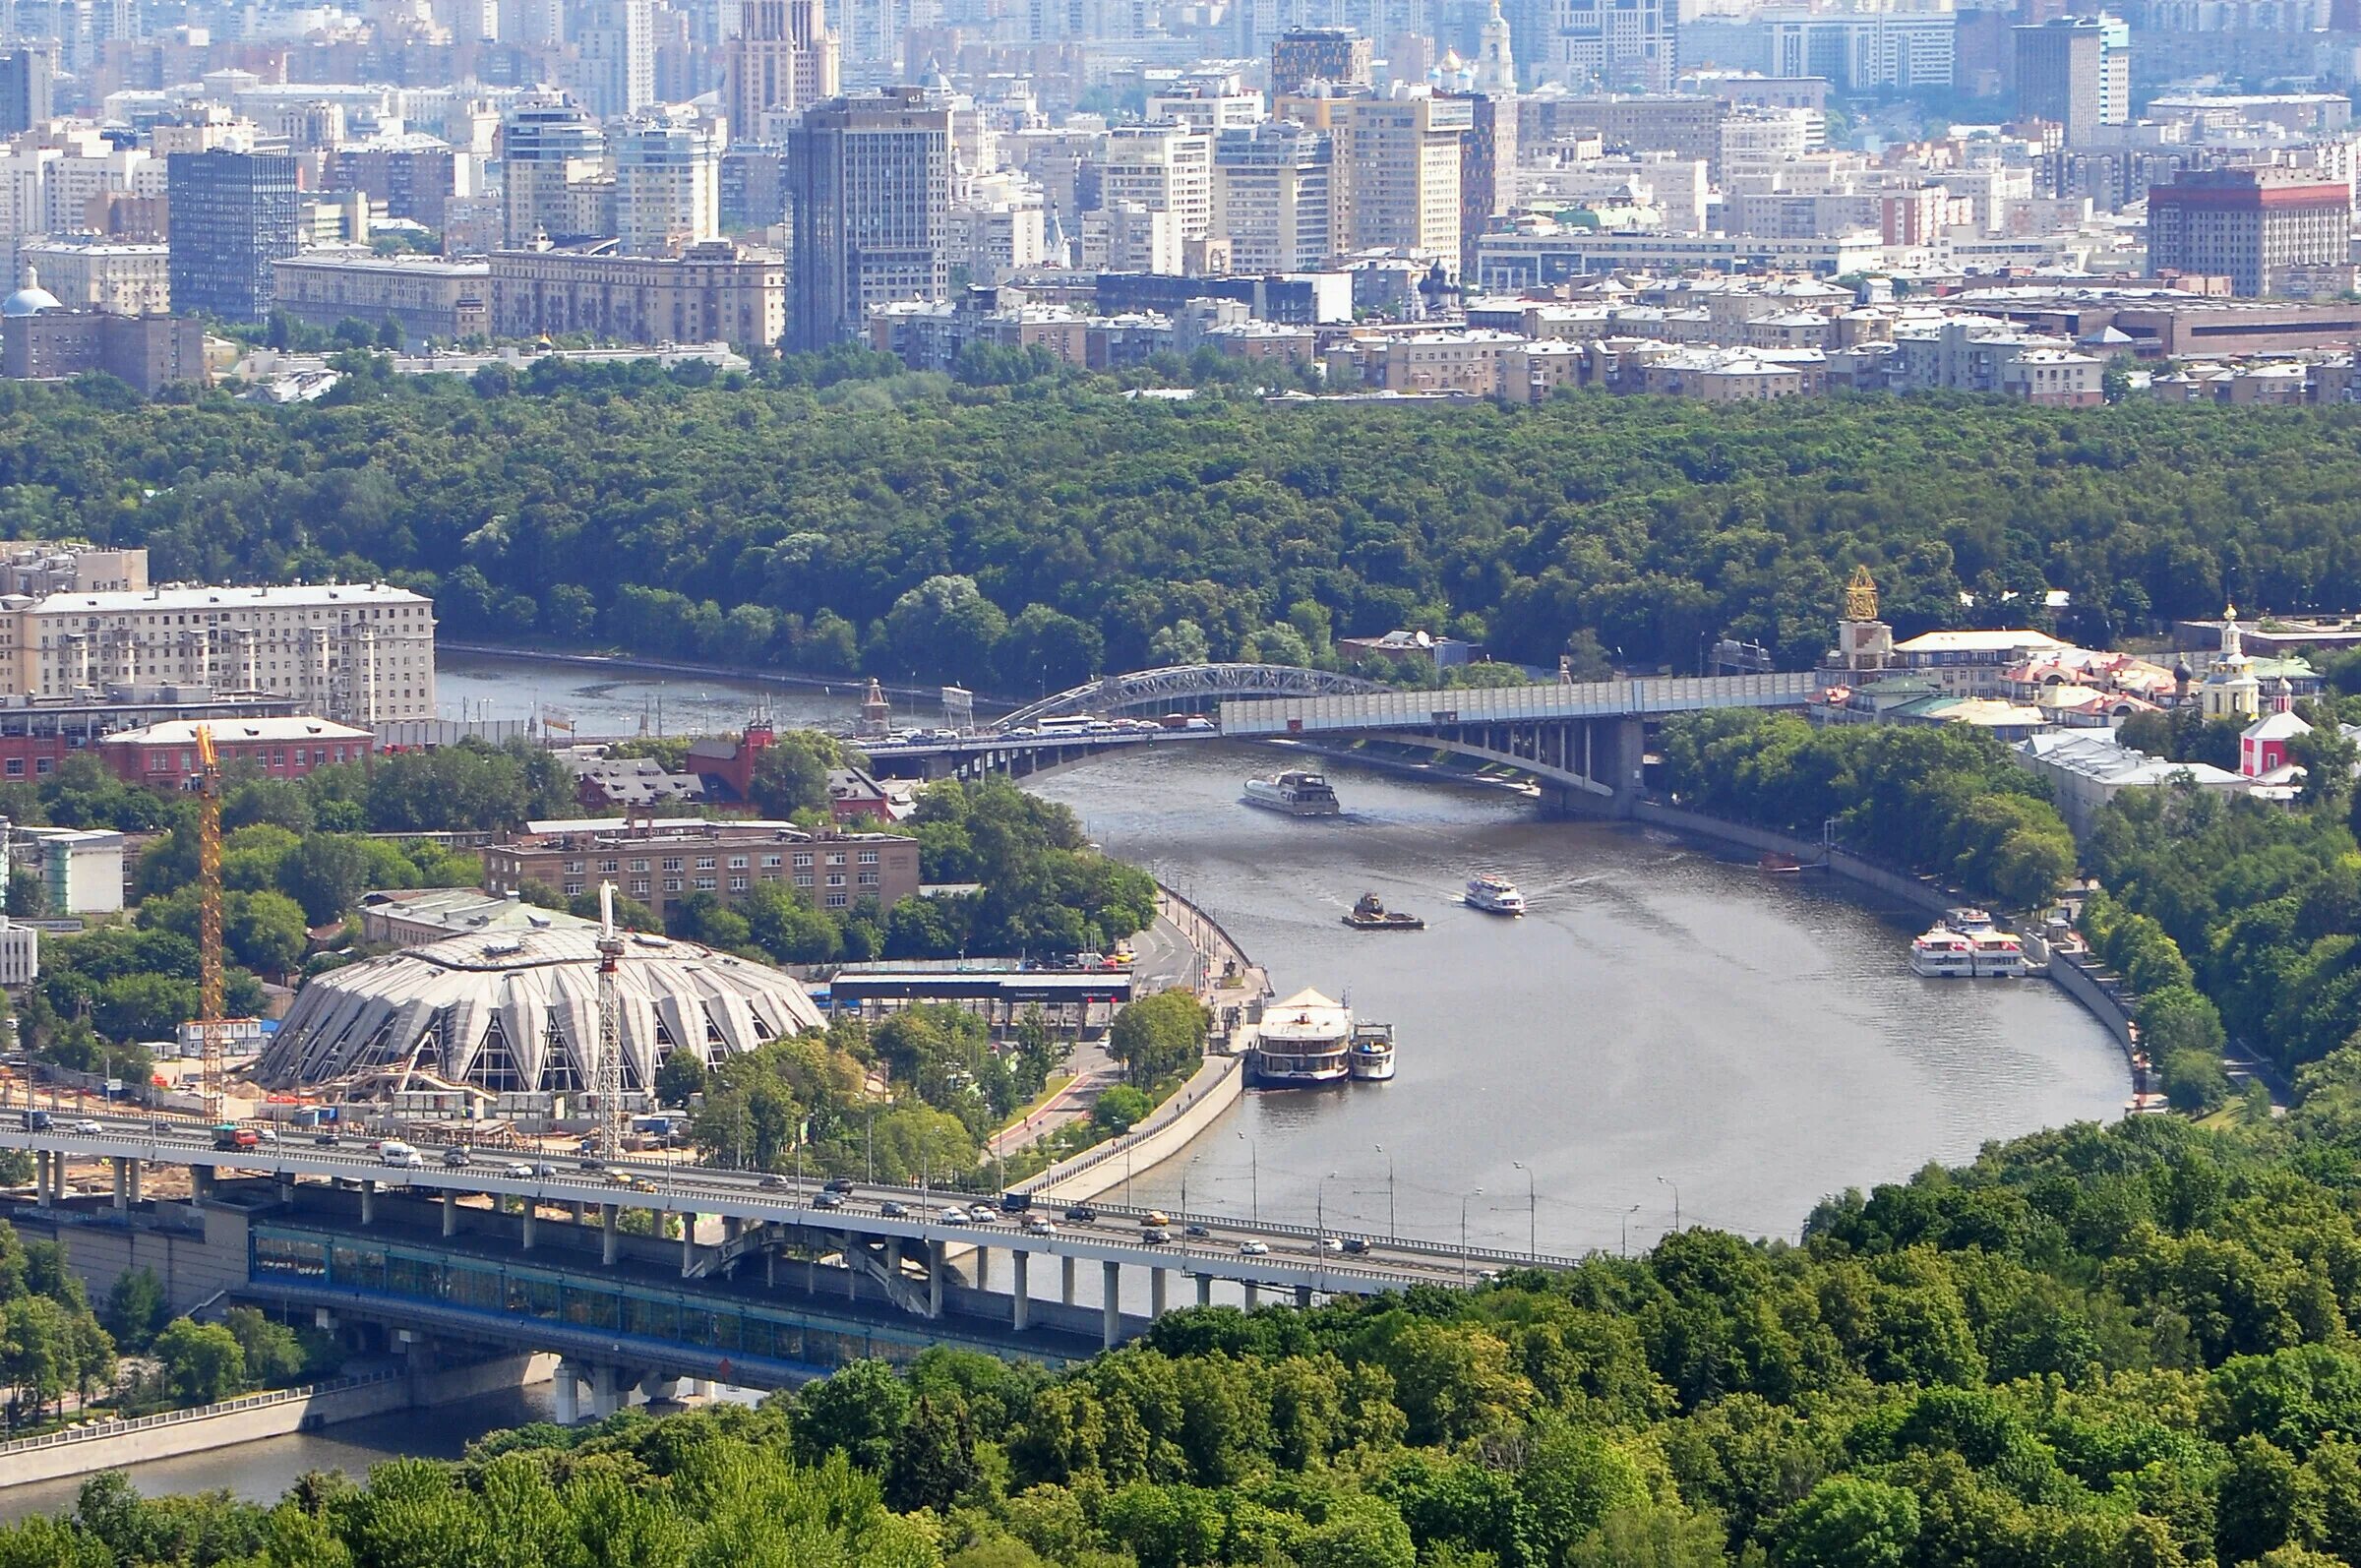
x: 212, y: 989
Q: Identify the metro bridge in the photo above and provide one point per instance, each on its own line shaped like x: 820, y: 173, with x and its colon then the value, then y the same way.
x: 1584, y: 742
x: 769, y: 1281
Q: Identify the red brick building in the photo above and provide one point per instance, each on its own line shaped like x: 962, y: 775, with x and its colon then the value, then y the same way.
x: 164, y: 757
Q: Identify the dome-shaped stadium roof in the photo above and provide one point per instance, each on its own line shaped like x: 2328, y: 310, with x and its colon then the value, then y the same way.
x: 517, y: 1012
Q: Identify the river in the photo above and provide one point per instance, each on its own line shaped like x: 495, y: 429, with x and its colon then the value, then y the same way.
x: 1667, y: 1035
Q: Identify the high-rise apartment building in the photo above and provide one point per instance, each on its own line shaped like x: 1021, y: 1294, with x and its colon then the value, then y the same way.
x: 24, y: 74
x: 872, y: 181
x: 546, y: 149
x: 1271, y: 197
x: 1396, y: 165
x: 784, y: 58
x: 1162, y: 168
x: 1487, y: 171
x: 2075, y: 72
x: 1337, y: 56
x: 1616, y: 43
x: 667, y: 185
x: 233, y: 215
x: 614, y: 64
x: 2248, y: 224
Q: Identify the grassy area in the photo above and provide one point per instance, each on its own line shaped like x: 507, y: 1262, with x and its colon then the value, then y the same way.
x: 1050, y: 1090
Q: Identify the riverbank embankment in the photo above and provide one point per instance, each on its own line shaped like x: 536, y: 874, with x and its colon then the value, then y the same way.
x: 621, y: 664
x: 169, y: 1434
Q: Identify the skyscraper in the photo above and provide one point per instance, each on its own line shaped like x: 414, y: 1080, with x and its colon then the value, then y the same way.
x: 2075, y: 72
x: 871, y: 180
x: 615, y: 57
x: 23, y: 89
x: 1270, y: 196
x: 784, y: 57
x: 667, y: 186
x: 2249, y: 224
x: 1396, y: 171
x: 1164, y: 167
x: 233, y: 215
x: 1336, y: 55
x: 545, y: 148
x: 1617, y: 43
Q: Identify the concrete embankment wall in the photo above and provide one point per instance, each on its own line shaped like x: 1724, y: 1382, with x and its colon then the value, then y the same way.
x: 111, y: 1444
x: 1213, y: 1089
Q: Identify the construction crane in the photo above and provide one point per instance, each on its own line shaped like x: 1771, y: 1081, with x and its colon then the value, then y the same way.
x: 213, y: 989
x: 609, y: 1069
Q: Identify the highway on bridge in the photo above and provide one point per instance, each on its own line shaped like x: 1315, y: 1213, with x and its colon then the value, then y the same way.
x: 1266, y: 1255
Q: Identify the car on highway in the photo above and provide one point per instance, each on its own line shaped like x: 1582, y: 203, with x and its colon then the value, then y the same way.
x: 37, y: 1120
x: 518, y: 1171
x: 1254, y: 1249
x: 1195, y: 1230
x: 772, y: 1181
x: 87, y: 1129
x: 893, y: 1211
x: 401, y: 1156
x: 326, y: 1140
x: 620, y: 1178
x: 825, y: 1199
x: 956, y: 1216
x: 1332, y: 1244
x: 1156, y: 1236
x: 1155, y: 1219
x: 593, y: 1166
x: 1357, y: 1244
x: 457, y: 1158
x: 1041, y: 1225
x: 545, y: 1171
x: 842, y: 1183
x: 983, y: 1213
x: 1080, y: 1211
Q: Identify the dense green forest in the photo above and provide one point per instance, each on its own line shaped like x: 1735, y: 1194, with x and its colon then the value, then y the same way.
x: 2120, y: 1348
x: 1021, y: 537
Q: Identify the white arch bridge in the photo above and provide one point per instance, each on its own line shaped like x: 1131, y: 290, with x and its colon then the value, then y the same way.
x: 1585, y: 742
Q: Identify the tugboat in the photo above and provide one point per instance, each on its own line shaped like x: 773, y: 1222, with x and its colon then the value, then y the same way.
x: 1371, y: 914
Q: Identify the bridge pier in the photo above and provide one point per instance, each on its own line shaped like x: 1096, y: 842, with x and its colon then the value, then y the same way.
x: 122, y: 1184
x: 201, y: 1181
x: 1067, y: 1280
x: 609, y: 1241
x: 451, y: 1212
x: 1302, y: 1295
x: 531, y: 1215
x: 567, y: 1395
x: 368, y: 1200
x: 133, y: 1170
x: 1021, y: 1305
x: 606, y: 1387
x: 1156, y: 1278
x: 934, y: 1278
x: 41, y: 1177
x: 687, y: 1244
x: 1204, y: 1290
x: 1253, y: 1296
x: 982, y: 1266
x: 1110, y: 1311
x: 852, y: 1275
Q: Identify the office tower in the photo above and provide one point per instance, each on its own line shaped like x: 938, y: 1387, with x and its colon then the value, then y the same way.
x: 2248, y: 224
x: 1271, y: 197
x: 1487, y: 171
x: 2075, y: 72
x: 233, y: 215
x: 1496, y: 62
x: 23, y: 89
x: 546, y: 149
x: 667, y: 186
x: 871, y: 182
x: 784, y: 57
x: 1161, y: 168
x: 1617, y: 43
x: 614, y: 67
x: 1335, y: 55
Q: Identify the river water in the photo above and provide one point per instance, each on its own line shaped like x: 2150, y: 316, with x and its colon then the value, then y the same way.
x: 1668, y: 1034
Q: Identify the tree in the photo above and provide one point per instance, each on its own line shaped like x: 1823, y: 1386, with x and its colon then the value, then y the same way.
x: 327, y: 876
x: 136, y: 1308
x: 271, y: 1352
x: 933, y: 1458
x: 1849, y: 1522
x: 204, y: 1363
x: 681, y: 1075
x: 1158, y: 1036
x: 858, y: 1411
x: 1120, y: 1109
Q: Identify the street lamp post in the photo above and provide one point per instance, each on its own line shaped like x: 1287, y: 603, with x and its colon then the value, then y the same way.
x: 1533, y: 1213
x: 1676, y: 1186
x: 1185, y: 1165
x: 1463, y: 1230
x: 1627, y: 1214
x: 1254, y: 1177
x: 1391, y: 1235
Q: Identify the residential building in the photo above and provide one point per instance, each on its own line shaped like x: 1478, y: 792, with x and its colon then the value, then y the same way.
x: 613, y: 66
x: 872, y: 179
x: 165, y: 757
x: 354, y: 652
x: 416, y: 178
x: 1394, y: 168
x: 1858, y: 51
x: 713, y: 292
x: 1969, y: 663
x: 446, y: 300
x: 2087, y: 768
x: 2249, y: 224
x: 81, y: 868
x: 147, y: 353
x: 25, y: 97
x: 120, y: 278
x: 667, y: 185
x: 1271, y: 197
x: 664, y: 860
x: 1209, y: 110
x: 233, y: 215
x: 34, y: 567
x: 547, y: 152
x: 1487, y: 172
x: 784, y: 59
x: 2076, y: 73
x: 1161, y: 168
x: 1616, y: 43
x: 1338, y: 56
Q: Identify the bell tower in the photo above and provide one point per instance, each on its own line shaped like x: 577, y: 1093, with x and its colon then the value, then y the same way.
x: 1865, y: 643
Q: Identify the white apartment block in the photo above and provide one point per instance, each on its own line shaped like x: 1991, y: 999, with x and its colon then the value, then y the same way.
x: 361, y: 653
x: 1272, y: 198
x: 667, y: 186
x: 123, y: 277
x: 1210, y: 112
x: 1163, y: 168
x: 1398, y: 161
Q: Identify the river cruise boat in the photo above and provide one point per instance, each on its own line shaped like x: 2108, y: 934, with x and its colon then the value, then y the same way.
x: 1371, y: 1054
x: 1943, y: 954
x: 1371, y: 914
x: 1997, y: 954
x: 1494, y: 895
x: 1303, y: 1041
x: 1298, y: 792
x: 1969, y: 949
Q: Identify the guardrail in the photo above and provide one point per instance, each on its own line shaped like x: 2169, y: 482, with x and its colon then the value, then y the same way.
x: 1208, y: 1078
x: 1410, y: 1245
x: 141, y: 1423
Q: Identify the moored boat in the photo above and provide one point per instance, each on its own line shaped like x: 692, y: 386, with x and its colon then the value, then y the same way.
x: 1494, y: 895
x: 1371, y: 1054
x: 1302, y: 1042
x: 1371, y: 914
x: 1295, y: 792
x: 1943, y: 953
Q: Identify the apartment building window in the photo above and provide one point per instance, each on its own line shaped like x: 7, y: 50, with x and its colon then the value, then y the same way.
x: 672, y: 863
x: 672, y: 884
x: 705, y: 863
x: 737, y: 884
x: 769, y: 861
x: 639, y: 887
x: 16, y: 767
x: 572, y: 888
x: 610, y: 866
x: 738, y: 863
x: 837, y: 901
x: 868, y: 857
x: 836, y: 858
x: 575, y: 866
x: 869, y: 878
x: 803, y: 863
x: 804, y: 881
x: 835, y: 879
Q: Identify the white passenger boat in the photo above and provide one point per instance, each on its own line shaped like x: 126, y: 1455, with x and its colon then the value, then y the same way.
x: 1305, y: 1040
x: 1943, y: 953
x: 1996, y: 953
x: 1372, y: 1052
x: 1965, y: 944
x: 1495, y: 895
x: 1298, y: 792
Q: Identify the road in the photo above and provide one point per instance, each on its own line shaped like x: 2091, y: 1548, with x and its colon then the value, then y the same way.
x: 1271, y: 1255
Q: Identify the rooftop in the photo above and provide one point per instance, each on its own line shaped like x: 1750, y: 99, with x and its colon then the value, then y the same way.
x: 280, y: 597
x: 183, y: 732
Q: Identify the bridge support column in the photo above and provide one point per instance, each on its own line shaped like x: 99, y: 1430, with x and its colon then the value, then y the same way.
x: 132, y: 1171
x: 567, y: 1395
x: 982, y: 1266
x: 1302, y: 1295
x: 1065, y: 1282
x: 1204, y: 1290
x: 368, y: 1201
x: 41, y: 1177
x: 531, y: 1215
x: 852, y: 1275
x: 451, y: 1212
x: 688, y: 1243
x: 1021, y: 1305
x: 201, y: 1181
x: 1156, y: 1278
x: 934, y: 1278
x: 1110, y: 1311
x: 732, y: 1228
x: 606, y: 1384
x: 122, y: 1184
x: 771, y: 1269
x: 1253, y: 1296
x: 660, y: 1389
x: 606, y: 1241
